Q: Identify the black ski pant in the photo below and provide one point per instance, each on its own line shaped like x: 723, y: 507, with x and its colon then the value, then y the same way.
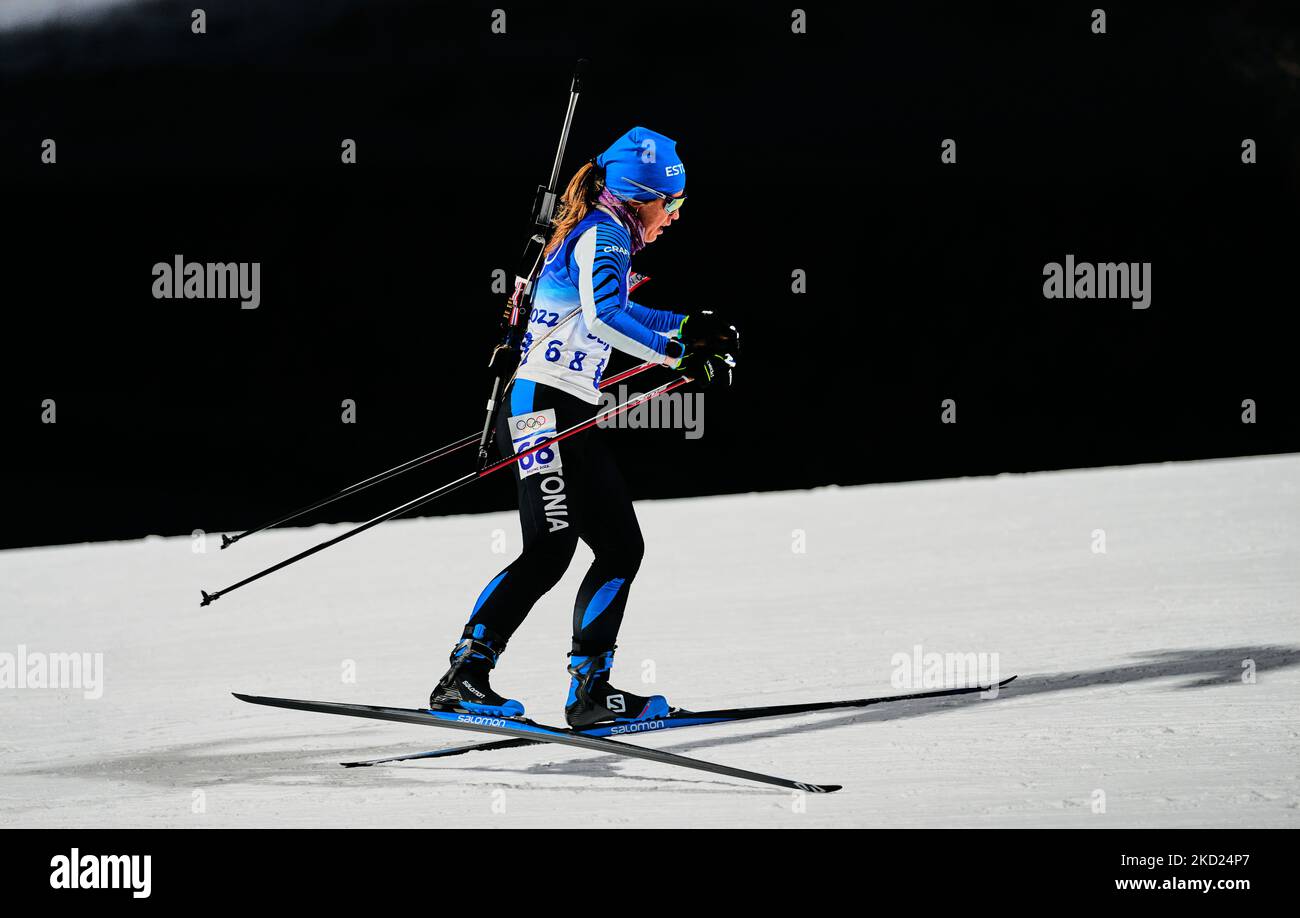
x: 585, y: 498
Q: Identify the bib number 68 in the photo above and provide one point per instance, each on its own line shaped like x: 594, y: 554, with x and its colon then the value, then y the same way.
x: 543, y: 456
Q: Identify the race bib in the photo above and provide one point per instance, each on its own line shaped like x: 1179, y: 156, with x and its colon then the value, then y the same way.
x: 528, y: 430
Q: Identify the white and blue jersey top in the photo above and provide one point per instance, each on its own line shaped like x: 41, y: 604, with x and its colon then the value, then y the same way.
x: 588, y: 272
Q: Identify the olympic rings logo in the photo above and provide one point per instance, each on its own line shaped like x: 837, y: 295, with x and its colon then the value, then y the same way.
x: 531, y: 423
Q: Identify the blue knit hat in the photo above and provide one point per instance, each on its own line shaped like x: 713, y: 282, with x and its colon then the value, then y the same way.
x: 644, y: 156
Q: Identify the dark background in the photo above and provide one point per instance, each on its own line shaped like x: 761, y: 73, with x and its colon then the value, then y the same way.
x: 818, y: 152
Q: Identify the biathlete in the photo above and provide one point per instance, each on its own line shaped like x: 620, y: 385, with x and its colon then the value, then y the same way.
x: 613, y: 206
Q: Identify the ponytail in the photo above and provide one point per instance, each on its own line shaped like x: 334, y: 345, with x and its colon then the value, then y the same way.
x: 578, y: 200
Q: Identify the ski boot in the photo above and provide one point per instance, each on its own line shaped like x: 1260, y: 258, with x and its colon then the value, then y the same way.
x: 593, y: 700
x: 465, y: 686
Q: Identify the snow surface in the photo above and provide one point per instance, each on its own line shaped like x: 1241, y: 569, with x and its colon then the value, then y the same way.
x: 1130, y: 664
x: 18, y: 13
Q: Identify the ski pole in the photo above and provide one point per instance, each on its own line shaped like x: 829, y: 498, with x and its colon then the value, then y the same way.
x: 454, y: 485
x: 634, y: 281
x: 227, y: 541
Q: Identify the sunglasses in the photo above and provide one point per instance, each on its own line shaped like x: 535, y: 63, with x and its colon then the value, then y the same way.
x: 671, y: 204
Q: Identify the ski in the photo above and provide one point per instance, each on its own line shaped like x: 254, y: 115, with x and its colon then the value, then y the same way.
x: 521, y: 728
x: 680, y: 718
